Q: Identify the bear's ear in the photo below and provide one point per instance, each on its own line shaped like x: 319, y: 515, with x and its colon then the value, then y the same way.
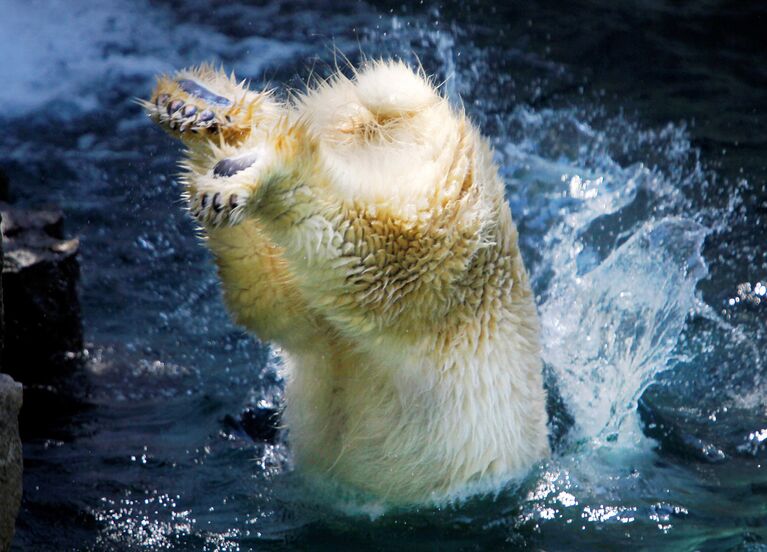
x: 390, y: 89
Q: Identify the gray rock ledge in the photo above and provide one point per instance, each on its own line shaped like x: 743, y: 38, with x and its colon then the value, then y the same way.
x: 42, y: 311
x: 10, y: 458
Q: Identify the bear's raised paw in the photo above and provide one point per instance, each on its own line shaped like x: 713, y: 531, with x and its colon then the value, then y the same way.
x: 202, y: 103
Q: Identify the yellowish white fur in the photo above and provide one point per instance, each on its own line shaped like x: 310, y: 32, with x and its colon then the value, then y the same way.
x: 367, y: 233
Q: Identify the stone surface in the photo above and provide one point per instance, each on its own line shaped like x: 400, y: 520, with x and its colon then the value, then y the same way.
x: 10, y: 458
x: 43, y: 330
x: 18, y: 221
x: 2, y: 308
x: 4, y: 185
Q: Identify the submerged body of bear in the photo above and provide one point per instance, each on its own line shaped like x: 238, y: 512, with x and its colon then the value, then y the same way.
x: 363, y: 227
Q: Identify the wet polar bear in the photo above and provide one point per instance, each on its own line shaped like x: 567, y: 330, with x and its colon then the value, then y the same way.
x: 363, y: 227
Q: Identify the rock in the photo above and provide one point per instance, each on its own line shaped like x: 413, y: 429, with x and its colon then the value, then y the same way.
x: 43, y: 331
x: 18, y: 221
x: 10, y: 458
x: 2, y: 313
x: 4, y: 186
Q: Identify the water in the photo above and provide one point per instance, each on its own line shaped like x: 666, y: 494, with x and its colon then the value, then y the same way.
x: 632, y: 143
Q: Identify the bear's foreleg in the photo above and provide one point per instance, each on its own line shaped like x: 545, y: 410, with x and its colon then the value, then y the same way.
x: 259, y: 288
x: 363, y: 271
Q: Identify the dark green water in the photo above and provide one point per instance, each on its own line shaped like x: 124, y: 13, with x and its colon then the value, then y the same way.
x: 633, y: 143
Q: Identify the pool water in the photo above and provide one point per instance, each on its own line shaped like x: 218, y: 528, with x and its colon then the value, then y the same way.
x: 633, y: 145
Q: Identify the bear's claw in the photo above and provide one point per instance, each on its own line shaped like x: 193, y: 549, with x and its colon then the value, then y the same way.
x: 216, y: 209
x: 180, y: 116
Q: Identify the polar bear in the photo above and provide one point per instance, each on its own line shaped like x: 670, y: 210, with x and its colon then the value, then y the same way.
x: 362, y: 226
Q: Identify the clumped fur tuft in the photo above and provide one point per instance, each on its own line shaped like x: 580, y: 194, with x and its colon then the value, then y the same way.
x: 362, y: 226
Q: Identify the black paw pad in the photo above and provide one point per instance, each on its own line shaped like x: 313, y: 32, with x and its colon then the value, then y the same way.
x: 194, y: 89
x: 233, y: 165
x: 205, y: 116
x: 174, y: 106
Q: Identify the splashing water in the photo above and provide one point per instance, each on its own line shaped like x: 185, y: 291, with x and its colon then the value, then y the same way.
x: 618, y: 283
x: 608, y: 332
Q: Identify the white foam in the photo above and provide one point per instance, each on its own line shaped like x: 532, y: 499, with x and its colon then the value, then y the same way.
x: 64, y: 57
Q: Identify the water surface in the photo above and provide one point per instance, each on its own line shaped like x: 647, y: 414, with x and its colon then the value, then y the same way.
x: 632, y: 144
